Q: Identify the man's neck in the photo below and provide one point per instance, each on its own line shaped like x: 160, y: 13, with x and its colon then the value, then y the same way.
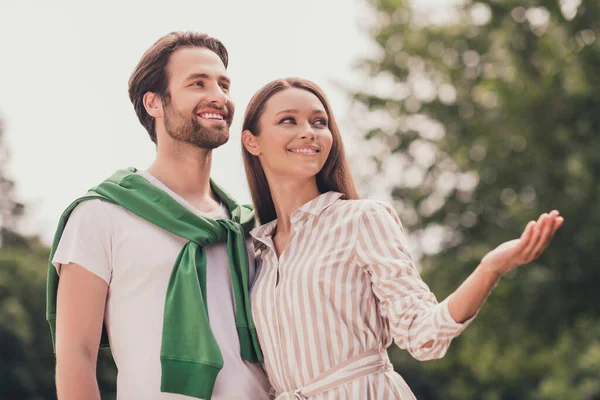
x: 185, y: 170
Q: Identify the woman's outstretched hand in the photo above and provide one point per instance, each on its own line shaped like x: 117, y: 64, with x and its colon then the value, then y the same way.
x: 468, y: 298
x: 536, y: 236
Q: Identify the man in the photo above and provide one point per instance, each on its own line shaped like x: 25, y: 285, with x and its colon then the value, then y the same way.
x: 155, y: 261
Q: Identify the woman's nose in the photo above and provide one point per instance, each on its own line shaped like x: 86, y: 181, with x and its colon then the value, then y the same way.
x: 308, y: 132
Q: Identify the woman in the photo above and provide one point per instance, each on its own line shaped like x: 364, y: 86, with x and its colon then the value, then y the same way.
x: 336, y: 282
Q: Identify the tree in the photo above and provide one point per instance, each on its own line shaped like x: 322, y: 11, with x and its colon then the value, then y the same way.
x: 26, y: 355
x: 487, y: 121
x: 10, y: 209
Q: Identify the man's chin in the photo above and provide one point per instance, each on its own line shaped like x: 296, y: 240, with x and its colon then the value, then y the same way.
x: 222, y: 140
x: 215, y: 140
x: 221, y: 134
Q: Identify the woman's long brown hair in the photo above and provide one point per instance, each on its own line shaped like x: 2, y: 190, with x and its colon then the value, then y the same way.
x: 335, y: 174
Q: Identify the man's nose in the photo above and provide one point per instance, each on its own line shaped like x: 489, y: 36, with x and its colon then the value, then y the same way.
x: 217, y: 96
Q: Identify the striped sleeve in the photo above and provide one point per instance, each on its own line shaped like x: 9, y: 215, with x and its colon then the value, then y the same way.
x: 417, y: 321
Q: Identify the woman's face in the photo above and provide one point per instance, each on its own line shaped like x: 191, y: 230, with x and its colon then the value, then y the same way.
x: 294, y: 140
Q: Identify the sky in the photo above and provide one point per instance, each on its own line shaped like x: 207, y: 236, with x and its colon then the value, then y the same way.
x: 64, y: 69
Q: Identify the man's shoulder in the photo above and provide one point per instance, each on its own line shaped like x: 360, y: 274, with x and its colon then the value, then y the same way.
x: 95, y: 207
x: 98, y: 211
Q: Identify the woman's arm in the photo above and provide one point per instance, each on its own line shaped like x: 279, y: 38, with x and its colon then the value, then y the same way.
x: 417, y: 321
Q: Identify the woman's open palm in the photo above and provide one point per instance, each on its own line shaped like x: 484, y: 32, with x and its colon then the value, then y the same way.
x: 536, y: 236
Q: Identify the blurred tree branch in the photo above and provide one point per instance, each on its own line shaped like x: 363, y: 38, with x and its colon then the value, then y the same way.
x: 10, y: 209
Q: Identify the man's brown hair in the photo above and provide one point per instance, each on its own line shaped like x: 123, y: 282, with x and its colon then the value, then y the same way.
x: 150, y: 75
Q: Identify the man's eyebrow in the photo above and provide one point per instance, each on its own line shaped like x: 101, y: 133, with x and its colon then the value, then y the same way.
x: 202, y: 75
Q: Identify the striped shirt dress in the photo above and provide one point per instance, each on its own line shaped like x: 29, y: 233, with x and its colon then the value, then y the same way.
x: 328, y: 308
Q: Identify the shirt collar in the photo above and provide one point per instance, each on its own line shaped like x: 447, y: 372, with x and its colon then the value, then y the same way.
x: 316, y: 206
x: 313, y: 208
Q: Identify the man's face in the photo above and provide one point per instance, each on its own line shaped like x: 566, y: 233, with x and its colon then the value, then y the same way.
x: 197, y: 109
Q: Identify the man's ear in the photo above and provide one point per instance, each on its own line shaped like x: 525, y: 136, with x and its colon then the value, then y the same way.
x: 250, y: 143
x: 153, y: 105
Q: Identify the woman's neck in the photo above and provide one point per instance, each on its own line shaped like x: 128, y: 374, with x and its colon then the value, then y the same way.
x: 288, y: 196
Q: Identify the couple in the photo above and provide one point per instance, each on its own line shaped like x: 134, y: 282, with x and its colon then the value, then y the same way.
x: 198, y: 303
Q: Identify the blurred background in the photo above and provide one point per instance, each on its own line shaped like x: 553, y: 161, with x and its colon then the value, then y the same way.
x: 470, y: 117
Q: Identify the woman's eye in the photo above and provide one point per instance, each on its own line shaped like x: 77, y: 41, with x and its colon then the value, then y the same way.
x: 321, y: 122
x: 288, y: 120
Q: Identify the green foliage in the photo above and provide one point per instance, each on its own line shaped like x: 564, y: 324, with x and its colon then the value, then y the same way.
x: 495, y: 118
x: 10, y: 210
x: 26, y: 356
x: 27, y: 360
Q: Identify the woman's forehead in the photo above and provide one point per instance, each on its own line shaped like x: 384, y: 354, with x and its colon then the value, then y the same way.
x: 294, y: 99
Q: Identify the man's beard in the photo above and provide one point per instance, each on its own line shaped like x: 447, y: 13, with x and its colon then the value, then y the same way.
x: 188, y: 129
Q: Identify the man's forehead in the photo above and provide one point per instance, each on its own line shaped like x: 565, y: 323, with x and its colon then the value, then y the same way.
x: 195, y: 60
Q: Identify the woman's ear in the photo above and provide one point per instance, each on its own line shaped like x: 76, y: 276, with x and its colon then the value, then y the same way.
x: 250, y: 143
x: 153, y: 105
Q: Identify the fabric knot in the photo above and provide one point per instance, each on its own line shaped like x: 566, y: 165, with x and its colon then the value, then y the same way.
x: 369, y: 363
x: 230, y: 225
x: 182, y: 354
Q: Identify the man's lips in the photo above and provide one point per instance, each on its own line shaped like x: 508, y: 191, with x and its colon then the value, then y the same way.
x: 219, y: 116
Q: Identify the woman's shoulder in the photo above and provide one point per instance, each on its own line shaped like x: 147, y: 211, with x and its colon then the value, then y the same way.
x: 368, y: 208
x: 362, y: 206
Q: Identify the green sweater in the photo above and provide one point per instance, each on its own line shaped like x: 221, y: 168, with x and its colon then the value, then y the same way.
x: 190, y: 356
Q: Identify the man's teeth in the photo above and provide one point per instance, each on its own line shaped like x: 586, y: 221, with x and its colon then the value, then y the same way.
x: 307, y: 151
x: 211, y: 116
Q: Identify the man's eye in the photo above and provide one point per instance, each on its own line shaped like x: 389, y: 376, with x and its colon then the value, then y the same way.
x: 199, y: 83
x: 225, y: 88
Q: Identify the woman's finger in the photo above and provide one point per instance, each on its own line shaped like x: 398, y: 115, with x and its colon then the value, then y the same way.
x: 556, y: 224
x: 546, y: 235
x: 541, y: 226
x: 525, y: 237
x: 533, y: 239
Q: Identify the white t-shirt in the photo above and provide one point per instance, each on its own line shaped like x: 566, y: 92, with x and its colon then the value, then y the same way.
x: 136, y: 258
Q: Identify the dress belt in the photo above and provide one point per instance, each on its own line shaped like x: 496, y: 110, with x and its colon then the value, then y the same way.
x: 365, y: 364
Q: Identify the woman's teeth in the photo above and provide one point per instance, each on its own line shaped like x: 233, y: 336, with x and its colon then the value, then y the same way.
x: 306, y: 151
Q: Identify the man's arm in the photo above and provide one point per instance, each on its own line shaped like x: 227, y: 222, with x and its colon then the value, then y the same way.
x: 80, y: 307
